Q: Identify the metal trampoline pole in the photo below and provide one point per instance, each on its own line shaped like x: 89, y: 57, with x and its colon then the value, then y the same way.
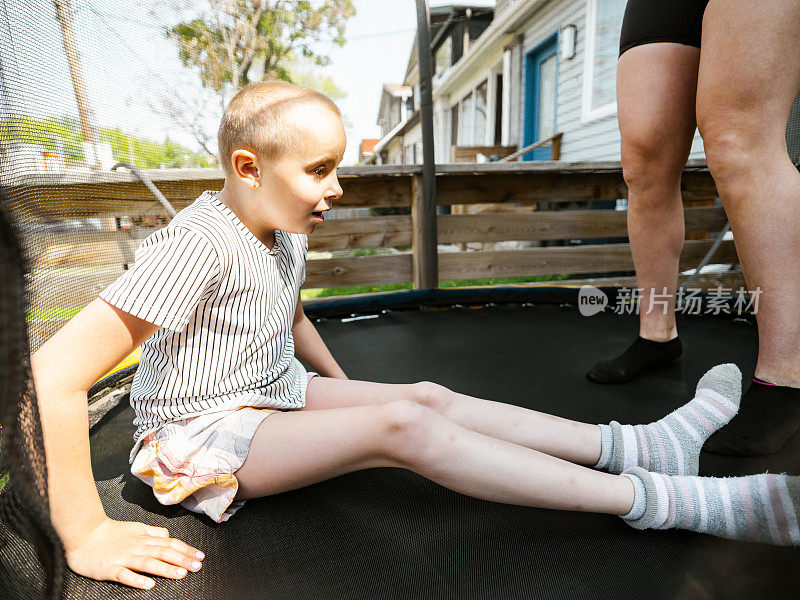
x: 423, y: 202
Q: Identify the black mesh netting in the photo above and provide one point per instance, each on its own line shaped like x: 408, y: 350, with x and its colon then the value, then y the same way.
x: 85, y: 84
x: 31, y: 555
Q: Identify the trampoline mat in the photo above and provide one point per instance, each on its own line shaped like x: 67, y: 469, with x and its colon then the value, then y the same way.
x: 390, y: 533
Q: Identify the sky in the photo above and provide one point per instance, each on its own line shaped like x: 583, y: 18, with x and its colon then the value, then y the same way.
x: 377, y: 51
x: 131, y: 69
x: 379, y: 36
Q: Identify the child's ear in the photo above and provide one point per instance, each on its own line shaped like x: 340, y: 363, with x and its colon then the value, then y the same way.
x: 245, y: 167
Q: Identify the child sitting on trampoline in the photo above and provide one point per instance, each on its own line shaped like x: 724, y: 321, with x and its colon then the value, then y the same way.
x: 225, y: 412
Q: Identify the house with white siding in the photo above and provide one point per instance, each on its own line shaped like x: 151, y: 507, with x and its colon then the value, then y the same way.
x: 538, y: 68
x: 455, y: 27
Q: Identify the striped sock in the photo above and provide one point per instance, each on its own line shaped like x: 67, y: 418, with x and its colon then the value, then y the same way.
x: 756, y: 508
x: 672, y: 445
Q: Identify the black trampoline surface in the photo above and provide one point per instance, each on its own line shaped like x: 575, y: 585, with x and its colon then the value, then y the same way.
x: 389, y: 533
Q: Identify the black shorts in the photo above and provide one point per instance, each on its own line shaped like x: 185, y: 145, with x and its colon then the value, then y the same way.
x: 649, y: 21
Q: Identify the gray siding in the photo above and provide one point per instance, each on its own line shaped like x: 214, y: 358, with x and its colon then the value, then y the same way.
x: 596, y: 139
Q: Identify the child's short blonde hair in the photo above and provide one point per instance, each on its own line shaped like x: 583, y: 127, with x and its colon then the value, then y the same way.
x: 255, y: 119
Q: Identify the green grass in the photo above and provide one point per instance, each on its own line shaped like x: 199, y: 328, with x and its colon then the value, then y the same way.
x: 389, y: 287
x: 3, y: 481
x: 365, y: 252
x: 53, y: 313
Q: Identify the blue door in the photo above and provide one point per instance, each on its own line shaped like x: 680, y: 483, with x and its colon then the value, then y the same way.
x: 541, y: 77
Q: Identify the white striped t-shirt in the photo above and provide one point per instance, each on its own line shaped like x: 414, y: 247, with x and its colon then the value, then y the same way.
x: 225, y: 303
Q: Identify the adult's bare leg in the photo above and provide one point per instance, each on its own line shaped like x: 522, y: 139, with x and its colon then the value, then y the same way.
x: 749, y: 77
x: 656, y: 85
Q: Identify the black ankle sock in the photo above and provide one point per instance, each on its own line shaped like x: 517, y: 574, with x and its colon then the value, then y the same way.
x: 769, y: 415
x: 639, y: 356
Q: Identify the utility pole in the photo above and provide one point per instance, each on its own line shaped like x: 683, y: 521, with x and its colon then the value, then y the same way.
x: 423, y: 202
x: 90, y: 135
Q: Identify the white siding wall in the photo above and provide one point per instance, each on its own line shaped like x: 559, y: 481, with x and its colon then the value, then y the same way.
x: 414, y: 136
x: 395, y: 152
x: 516, y: 92
x: 485, y: 69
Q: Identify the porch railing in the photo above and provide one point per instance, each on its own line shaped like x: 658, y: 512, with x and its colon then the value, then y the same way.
x: 70, y: 268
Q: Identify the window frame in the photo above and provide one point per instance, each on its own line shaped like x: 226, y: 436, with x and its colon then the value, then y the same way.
x: 448, y: 40
x: 473, y: 92
x: 588, y: 112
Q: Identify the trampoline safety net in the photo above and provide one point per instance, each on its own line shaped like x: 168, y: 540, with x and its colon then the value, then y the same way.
x: 88, y: 84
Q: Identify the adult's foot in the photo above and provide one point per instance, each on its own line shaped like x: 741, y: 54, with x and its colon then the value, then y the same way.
x: 768, y: 416
x: 641, y: 355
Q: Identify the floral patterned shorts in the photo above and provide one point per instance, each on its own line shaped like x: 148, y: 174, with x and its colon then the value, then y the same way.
x: 192, y: 462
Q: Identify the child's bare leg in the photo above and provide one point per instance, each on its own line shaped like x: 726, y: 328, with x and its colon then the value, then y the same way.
x: 298, y: 448
x: 570, y: 440
x: 294, y: 449
x: 670, y: 445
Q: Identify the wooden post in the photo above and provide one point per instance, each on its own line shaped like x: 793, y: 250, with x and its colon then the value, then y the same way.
x: 425, y: 263
x: 555, y: 152
x: 64, y: 13
x: 423, y: 189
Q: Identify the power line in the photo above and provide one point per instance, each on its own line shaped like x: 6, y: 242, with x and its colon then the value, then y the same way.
x: 162, y: 28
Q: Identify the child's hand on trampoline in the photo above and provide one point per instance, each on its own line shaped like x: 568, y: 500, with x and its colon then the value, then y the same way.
x: 116, y: 549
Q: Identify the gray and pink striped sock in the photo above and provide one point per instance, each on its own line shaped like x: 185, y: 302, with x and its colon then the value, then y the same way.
x: 672, y: 445
x: 756, y: 508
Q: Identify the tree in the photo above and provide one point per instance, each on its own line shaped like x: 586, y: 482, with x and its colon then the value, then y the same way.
x: 239, y: 39
x: 63, y: 135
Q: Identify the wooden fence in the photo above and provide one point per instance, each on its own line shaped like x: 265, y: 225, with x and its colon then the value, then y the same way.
x: 69, y: 269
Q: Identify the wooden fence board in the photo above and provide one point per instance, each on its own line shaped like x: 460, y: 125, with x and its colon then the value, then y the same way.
x: 118, y: 247
x: 77, y: 287
x: 566, y: 259
x: 359, y: 270
x: 529, y: 187
x: 118, y: 193
x: 559, y: 225
x: 90, y: 199
x: 369, y: 232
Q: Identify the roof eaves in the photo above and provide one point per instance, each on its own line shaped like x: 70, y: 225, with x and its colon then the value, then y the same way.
x: 400, y: 129
x: 501, y: 29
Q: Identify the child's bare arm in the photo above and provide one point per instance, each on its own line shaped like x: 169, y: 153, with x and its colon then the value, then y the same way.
x: 310, y: 347
x: 64, y: 368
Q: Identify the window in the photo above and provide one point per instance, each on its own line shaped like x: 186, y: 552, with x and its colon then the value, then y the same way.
x: 547, y: 98
x: 465, y: 115
x: 397, y: 112
x: 410, y: 155
x: 603, y: 26
x: 498, y: 111
x: 454, y: 125
x: 444, y: 57
x: 479, y: 139
x: 469, y: 117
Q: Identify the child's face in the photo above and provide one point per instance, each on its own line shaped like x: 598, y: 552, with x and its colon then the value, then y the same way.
x: 300, y: 185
